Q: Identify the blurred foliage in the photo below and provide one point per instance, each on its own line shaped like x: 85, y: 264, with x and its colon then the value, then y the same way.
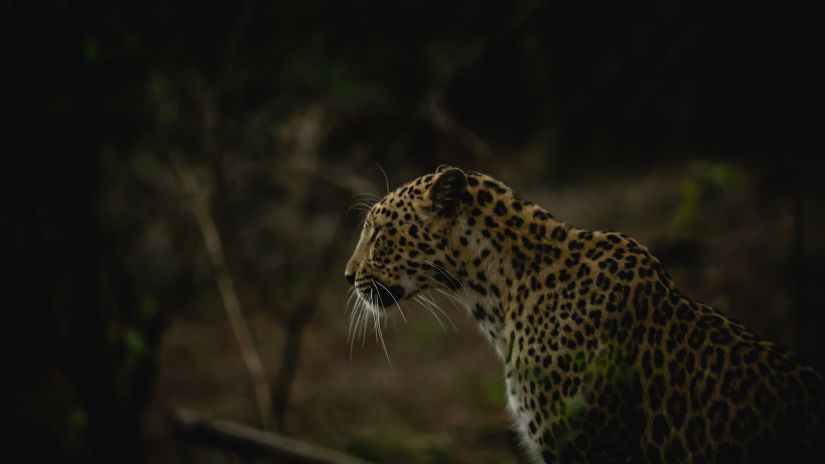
x: 78, y: 419
x: 704, y: 183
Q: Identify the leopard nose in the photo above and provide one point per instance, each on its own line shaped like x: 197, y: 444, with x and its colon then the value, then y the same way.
x: 350, y: 278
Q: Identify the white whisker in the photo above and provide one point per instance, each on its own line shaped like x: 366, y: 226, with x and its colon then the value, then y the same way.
x: 379, y: 336
x: 365, y: 316
x: 393, y: 299
x: 351, y: 322
x: 426, y: 306
x: 434, y: 305
x: 439, y: 283
x: 384, y: 346
x: 360, y: 206
x: 386, y: 180
x: 367, y: 196
x: 451, y: 298
x: 443, y: 271
x: 357, y: 310
x: 352, y: 294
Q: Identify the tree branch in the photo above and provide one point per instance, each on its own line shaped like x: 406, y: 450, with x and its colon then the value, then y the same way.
x: 296, y: 323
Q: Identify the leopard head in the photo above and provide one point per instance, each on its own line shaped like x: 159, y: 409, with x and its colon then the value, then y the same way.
x: 406, y: 243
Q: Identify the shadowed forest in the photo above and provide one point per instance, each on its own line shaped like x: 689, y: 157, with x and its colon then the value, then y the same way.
x: 180, y: 179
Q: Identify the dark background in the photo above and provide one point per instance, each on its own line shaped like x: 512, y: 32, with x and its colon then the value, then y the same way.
x: 694, y: 126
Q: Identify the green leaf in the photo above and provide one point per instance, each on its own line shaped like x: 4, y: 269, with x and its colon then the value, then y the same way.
x: 134, y: 342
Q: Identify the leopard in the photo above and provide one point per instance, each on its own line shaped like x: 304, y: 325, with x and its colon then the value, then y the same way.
x: 605, y: 360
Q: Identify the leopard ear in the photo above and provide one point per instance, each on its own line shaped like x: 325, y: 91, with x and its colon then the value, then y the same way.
x: 447, y: 191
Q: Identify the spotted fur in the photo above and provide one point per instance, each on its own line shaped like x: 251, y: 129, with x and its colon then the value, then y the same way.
x: 604, y: 359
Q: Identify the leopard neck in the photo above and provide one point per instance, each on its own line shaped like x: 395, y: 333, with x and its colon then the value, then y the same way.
x: 500, y: 246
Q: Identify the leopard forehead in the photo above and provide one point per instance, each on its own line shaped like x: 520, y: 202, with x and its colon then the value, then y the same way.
x: 414, y: 197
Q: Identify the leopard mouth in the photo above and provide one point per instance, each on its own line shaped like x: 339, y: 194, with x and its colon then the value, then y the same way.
x: 373, y: 291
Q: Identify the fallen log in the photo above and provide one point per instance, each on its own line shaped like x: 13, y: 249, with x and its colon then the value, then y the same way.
x: 251, y: 442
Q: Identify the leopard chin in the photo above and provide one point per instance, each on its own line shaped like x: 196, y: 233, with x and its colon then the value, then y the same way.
x: 379, y: 295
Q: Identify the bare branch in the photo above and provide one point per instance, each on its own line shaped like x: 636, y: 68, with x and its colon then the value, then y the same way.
x: 451, y: 127
x: 226, y: 287
x: 433, y: 109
